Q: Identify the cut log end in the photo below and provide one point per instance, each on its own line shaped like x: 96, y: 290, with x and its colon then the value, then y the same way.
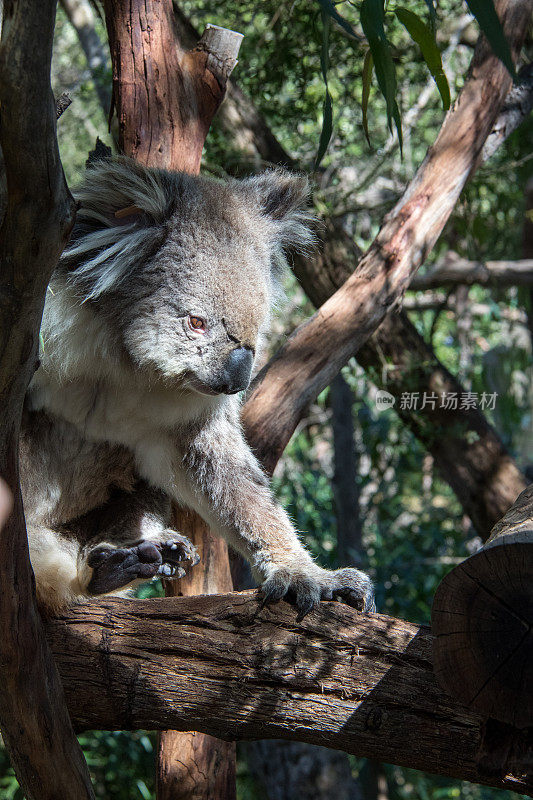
x: 222, y: 47
x: 482, y: 620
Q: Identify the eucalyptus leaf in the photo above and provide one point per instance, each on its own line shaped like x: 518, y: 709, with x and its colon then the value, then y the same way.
x: 327, y: 109
x: 372, y: 18
x: 368, y: 66
x: 425, y: 39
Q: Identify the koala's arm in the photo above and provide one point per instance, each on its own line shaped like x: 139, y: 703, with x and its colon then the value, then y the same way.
x: 220, y: 478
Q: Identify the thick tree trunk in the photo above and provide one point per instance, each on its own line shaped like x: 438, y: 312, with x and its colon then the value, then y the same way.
x: 196, y: 766
x: 38, y: 217
x: 483, y: 622
x: 362, y: 683
x: 301, y: 369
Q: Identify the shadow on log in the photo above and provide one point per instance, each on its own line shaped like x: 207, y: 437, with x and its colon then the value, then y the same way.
x: 483, y: 622
x: 226, y: 666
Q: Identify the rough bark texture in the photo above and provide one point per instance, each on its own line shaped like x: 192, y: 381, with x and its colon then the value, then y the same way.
x: 196, y: 766
x: 40, y: 212
x: 300, y: 370
x: 228, y: 667
x: 174, y: 92
x: 483, y: 622
x: 453, y: 270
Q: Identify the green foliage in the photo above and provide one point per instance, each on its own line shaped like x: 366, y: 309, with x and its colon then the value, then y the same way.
x: 372, y: 16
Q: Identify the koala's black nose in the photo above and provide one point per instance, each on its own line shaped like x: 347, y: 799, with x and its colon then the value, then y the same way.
x: 237, y: 371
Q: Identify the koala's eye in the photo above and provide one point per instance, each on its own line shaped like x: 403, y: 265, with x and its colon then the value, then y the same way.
x: 197, y: 323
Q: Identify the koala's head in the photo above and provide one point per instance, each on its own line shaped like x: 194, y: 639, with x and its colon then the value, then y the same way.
x: 184, y: 268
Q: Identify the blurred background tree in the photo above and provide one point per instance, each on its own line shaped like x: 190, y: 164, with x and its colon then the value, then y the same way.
x: 357, y: 483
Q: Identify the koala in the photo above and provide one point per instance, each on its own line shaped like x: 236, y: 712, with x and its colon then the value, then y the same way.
x: 151, y: 328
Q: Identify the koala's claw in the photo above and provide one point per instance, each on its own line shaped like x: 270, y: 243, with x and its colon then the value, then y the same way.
x: 116, y: 567
x: 306, y: 590
x: 179, y: 548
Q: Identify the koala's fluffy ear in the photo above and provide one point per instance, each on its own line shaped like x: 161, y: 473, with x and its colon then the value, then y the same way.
x: 122, y: 210
x: 283, y: 197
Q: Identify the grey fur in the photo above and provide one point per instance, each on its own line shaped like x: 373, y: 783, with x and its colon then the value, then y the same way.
x: 125, y: 410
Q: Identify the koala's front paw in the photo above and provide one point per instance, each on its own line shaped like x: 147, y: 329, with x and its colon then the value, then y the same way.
x: 116, y: 567
x: 306, y: 589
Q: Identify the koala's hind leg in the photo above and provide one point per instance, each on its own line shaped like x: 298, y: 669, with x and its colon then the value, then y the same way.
x: 128, y: 540
x: 54, y: 559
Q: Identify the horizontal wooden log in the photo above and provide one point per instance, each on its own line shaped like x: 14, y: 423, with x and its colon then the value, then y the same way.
x: 483, y: 622
x: 226, y: 666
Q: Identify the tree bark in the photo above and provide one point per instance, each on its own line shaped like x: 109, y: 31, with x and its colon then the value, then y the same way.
x: 301, y: 368
x: 175, y: 92
x: 483, y: 622
x: 362, y: 683
x: 38, y: 218
x: 196, y: 766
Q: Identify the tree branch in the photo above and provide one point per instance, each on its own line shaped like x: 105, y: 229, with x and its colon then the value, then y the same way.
x: 38, y: 217
x: 226, y: 666
x: 518, y: 105
x: 301, y: 369
x: 453, y: 270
